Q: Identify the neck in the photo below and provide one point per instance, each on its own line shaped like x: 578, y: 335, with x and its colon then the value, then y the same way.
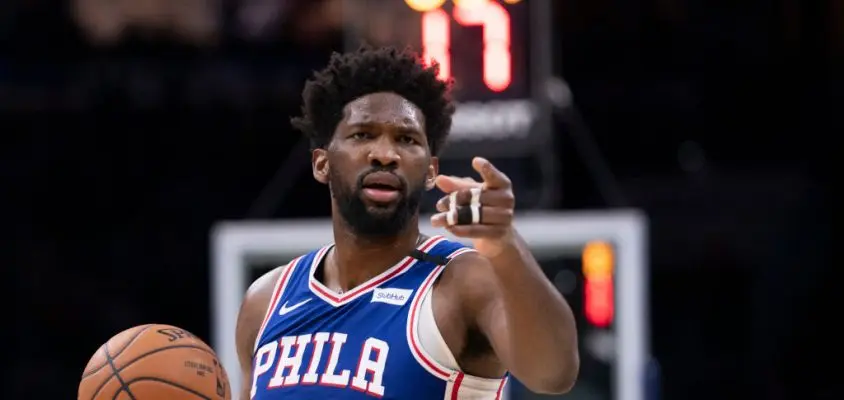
x: 355, y: 259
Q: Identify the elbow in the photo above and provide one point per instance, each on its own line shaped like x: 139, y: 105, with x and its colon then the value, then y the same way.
x: 558, y: 380
x: 561, y: 384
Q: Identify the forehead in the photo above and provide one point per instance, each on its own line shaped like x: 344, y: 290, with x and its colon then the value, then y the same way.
x: 384, y: 109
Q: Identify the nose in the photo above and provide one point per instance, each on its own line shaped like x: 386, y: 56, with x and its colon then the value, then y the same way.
x: 383, y: 153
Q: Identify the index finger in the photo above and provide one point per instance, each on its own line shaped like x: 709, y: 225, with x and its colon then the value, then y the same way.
x: 493, y: 178
x: 450, y: 184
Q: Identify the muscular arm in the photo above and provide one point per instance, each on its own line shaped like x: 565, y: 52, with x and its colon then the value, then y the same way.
x: 528, y: 323
x: 504, y: 291
x: 249, y: 321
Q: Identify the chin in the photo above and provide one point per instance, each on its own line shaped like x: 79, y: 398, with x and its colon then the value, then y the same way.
x: 380, y: 208
x: 382, y: 211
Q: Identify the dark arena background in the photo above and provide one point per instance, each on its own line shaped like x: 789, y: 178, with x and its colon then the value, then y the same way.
x: 673, y: 160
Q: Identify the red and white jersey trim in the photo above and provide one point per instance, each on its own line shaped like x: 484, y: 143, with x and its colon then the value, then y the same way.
x: 278, y: 291
x: 459, y: 385
x: 336, y: 300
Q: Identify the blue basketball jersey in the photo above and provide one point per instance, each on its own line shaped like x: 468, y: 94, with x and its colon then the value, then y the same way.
x: 318, y: 344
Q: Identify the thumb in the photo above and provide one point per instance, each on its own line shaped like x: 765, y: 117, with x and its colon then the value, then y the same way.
x: 485, y: 168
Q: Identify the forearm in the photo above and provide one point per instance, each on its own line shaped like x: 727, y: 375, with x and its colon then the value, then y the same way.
x: 541, y: 326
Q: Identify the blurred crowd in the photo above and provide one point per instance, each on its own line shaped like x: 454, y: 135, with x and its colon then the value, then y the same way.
x: 158, y: 54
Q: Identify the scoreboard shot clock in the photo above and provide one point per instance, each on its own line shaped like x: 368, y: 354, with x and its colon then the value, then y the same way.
x: 498, y: 52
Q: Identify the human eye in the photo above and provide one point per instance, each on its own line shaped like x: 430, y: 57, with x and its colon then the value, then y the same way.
x: 407, y: 139
x: 360, y: 135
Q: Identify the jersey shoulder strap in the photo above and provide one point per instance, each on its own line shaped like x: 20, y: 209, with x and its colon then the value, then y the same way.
x: 442, y: 252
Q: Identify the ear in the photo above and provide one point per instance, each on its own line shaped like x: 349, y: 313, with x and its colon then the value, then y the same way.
x: 433, y: 171
x: 319, y: 165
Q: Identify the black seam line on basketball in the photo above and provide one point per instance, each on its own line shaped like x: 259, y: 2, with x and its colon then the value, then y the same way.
x: 130, y: 362
x: 131, y: 340
x: 187, y: 389
x: 117, y: 375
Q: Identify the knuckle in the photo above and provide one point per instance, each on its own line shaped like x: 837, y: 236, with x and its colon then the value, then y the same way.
x: 510, y: 199
x: 464, y: 196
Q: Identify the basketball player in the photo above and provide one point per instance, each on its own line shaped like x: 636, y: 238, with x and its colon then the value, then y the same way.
x: 383, y: 311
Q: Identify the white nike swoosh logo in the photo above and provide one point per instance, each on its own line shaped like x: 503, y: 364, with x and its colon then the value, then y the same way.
x: 285, y: 309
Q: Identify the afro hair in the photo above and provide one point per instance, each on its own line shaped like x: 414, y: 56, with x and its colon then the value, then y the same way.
x: 370, y: 70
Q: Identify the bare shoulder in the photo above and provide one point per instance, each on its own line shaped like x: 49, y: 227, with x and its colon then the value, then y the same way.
x: 469, y: 280
x: 249, y: 320
x: 254, y: 307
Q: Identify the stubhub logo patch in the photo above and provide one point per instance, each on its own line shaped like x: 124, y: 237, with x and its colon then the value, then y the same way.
x: 393, y: 296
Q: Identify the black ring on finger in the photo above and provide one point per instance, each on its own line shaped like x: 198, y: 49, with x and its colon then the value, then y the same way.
x: 464, y: 215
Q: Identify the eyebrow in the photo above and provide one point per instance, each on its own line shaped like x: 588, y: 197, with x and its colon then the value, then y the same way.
x: 404, y: 128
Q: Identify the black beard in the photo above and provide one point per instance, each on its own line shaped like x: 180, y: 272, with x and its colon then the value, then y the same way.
x: 375, y: 222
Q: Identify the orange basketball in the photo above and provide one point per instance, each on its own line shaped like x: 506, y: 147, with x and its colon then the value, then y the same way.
x: 152, y: 362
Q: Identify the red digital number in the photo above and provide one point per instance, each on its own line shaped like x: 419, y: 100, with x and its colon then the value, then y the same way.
x: 495, y: 21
